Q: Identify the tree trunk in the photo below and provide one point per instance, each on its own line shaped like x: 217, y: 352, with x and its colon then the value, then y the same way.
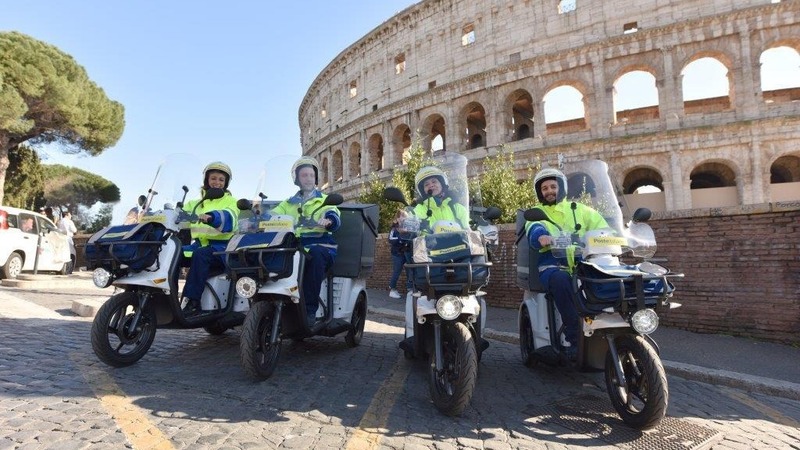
x: 4, y: 163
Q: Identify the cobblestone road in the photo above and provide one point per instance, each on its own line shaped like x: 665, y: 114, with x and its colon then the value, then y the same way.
x: 190, y: 391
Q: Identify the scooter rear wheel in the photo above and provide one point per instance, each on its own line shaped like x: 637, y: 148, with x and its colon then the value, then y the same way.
x: 259, y: 356
x: 452, y: 388
x: 526, y: 349
x: 642, y: 399
x: 113, y: 340
x: 353, y: 337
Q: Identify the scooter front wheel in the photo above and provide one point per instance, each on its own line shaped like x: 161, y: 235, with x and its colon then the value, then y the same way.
x: 119, y: 339
x: 259, y: 356
x: 641, y: 398
x: 452, y: 387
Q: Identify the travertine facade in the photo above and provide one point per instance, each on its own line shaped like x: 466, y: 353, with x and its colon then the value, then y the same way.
x: 475, y: 72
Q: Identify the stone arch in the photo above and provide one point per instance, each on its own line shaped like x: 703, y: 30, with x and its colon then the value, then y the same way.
x: 375, y: 153
x: 433, y: 126
x: 520, y: 120
x: 785, y: 169
x: 354, y: 159
x: 401, y: 144
x: 785, y: 178
x: 698, y: 103
x: 712, y: 174
x: 642, y: 176
x: 634, y: 98
x: 338, y: 166
x: 473, y: 117
x: 778, y: 65
x: 324, y: 175
x: 575, y: 107
x: 643, y: 186
x: 713, y: 184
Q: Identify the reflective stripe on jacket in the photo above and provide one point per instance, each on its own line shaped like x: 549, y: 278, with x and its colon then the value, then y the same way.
x: 224, y: 214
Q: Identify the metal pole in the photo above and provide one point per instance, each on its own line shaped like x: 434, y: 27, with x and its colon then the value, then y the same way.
x: 38, y: 250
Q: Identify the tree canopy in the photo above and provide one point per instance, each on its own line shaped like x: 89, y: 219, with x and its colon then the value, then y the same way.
x: 498, y: 185
x: 70, y: 186
x: 47, y: 97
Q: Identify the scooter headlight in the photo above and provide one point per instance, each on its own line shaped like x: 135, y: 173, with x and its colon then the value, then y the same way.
x: 101, y: 277
x: 449, y: 307
x: 246, y: 287
x: 644, y: 321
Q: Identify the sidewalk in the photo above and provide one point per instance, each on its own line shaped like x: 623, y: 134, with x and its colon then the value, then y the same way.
x: 742, y: 363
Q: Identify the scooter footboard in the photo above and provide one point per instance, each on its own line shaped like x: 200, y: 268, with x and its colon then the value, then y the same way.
x: 536, y: 304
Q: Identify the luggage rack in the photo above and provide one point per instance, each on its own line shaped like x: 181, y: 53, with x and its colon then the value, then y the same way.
x: 657, y: 299
x: 463, y: 287
x: 102, y: 258
x: 263, y: 272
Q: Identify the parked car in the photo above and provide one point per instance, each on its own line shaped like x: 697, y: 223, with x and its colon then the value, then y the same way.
x: 20, y: 232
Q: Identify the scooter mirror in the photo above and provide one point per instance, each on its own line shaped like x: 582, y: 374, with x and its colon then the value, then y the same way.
x: 333, y: 199
x: 394, y: 195
x: 641, y: 215
x: 244, y: 204
x: 535, y: 215
x: 214, y: 193
x: 492, y: 213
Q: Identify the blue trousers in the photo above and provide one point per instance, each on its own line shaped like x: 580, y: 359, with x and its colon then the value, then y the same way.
x: 559, y: 284
x: 321, y: 260
x: 398, y: 261
x: 203, y: 261
x: 409, y: 257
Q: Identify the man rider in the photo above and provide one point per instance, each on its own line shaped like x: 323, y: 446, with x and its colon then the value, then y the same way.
x: 315, y: 229
x: 211, y: 233
x: 433, y: 189
x: 550, y: 186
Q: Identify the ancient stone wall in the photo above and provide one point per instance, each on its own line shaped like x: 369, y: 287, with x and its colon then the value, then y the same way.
x: 475, y: 74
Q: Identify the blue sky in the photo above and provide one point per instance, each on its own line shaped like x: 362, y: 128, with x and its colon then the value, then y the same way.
x: 218, y: 80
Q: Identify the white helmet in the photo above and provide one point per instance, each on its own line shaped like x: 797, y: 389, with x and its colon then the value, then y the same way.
x: 219, y: 167
x: 550, y: 174
x: 303, y: 162
x: 427, y: 172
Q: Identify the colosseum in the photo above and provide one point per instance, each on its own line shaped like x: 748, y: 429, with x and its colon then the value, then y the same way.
x: 472, y: 76
x: 681, y: 98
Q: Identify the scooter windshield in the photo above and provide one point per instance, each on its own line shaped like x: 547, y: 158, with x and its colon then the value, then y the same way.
x: 588, y: 182
x: 443, y: 198
x: 177, y: 179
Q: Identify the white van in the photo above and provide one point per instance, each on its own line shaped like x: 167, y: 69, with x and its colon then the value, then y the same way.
x: 20, y: 233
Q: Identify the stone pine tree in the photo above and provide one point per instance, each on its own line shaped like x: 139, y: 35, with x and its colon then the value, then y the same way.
x: 70, y: 186
x: 47, y: 97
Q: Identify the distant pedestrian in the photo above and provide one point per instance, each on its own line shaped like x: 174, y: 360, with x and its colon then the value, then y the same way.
x: 399, y: 248
x: 67, y: 226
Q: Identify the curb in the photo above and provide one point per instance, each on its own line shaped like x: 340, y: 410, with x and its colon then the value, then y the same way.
x: 751, y: 383
x: 86, y: 307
